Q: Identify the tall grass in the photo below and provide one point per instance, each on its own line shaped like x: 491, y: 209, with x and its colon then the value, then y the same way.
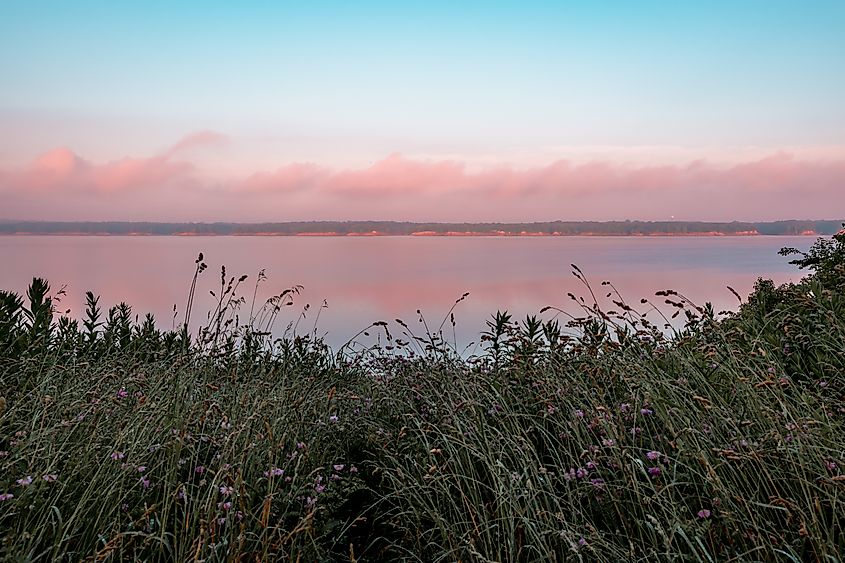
x: 595, y: 437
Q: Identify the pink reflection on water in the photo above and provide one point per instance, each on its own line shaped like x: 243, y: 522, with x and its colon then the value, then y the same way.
x: 369, y: 279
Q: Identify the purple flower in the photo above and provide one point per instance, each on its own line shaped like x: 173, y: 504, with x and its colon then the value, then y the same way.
x: 274, y: 472
x: 703, y: 513
x: 581, y: 473
x: 652, y: 455
x: 6, y: 496
x: 225, y: 506
x: 319, y: 488
x: 50, y: 478
x: 353, y: 469
x: 199, y: 470
x: 226, y: 490
x: 338, y: 467
x: 142, y: 468
x: 579, y: 413
x: 646, y: 412
x: 25, y: 481
x: 144, y: 482
x: 607, y: 442
x: 123, y: 393
x: 117, y: 455
x: 300, y: 445
x: 654, y: 471
x: 181, y: 494
x: 582, y: 542
x: 333, y: 418
x: 591, y: 465
x: 625, y: 407
x: 831, y: 465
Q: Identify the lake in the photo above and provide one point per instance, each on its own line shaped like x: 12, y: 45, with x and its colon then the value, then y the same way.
x: 366, y: 279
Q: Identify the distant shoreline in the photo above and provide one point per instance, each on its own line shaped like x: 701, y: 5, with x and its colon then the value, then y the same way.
x: 412, y: 235
x: 397, y: 228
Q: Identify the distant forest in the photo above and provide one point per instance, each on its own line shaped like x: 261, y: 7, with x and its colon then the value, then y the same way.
x: 397, y: 228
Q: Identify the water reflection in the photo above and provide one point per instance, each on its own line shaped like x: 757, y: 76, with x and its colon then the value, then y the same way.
x: 368, y: 279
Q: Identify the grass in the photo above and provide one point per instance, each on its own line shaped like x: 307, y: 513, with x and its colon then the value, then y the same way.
x: 598, y: 439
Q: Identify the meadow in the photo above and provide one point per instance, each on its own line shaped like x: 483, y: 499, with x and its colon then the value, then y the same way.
x: 599, y: 436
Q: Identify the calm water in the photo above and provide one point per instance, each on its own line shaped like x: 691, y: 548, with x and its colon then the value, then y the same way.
x: 382, y: 278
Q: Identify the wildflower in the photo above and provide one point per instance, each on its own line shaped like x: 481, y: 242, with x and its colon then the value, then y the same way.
x: 310, y: 502
x: 597, y: 483
x: 199, y: 470
x: 703, y: 513
x: 225, y: 424
x: 654, y: 471
x: 338, y: 467
x: 142, y: 468
x: 652, y: 455
x: 353, y: 469
x: 4, y: 453
x: 625, y: 407
x: 221, y: 521
x: 123, y: 393
x: 581, y: 473
x: 50, y: 478
x: 6, y: 496
x: 831, y: 465
x: 25, y: 481
x: 582, y: 542
x: 226, y: 490
x: 319, y: 488
x: 333, y: 418
x: 225, y: 506
x: 646, y: 412
x: 591, y: 465
x: 579, y: 413
x: 145, y: 483
x: 181, y: 494
x: 300, y: 445
x: 608, y: 443
x: 274, y: 472
x: 239, y: 515
x: 117, y: 455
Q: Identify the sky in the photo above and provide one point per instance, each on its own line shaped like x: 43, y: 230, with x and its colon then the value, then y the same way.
x: 423, y: 111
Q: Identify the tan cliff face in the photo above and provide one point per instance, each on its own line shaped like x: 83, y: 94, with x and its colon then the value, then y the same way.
x: 404, y: 228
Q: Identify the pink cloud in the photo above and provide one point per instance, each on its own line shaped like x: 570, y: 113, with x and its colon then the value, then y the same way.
x: 195, y: 140
x: 401, y: 188
x: 61, y: 169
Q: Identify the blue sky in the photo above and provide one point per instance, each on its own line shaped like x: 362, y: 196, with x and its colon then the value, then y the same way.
x: 745, y: 72
x: 347, y: 83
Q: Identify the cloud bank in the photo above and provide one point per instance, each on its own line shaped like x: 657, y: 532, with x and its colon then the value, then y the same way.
x: 61, y: 185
